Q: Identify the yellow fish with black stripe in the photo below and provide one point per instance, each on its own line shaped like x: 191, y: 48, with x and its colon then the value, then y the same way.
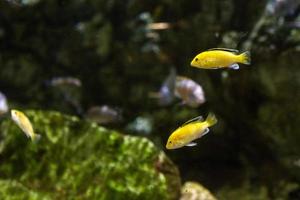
x: 221, y: 58
x: 190, y: 131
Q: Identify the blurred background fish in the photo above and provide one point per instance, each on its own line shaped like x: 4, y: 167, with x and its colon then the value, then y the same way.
x: 3, y: 104
x: 166, y: 94
x: 67, y: 90
x: 184, y: 88
x: 282, y: 7
x: 103, y: 114
x: 65, y: 81
x: 22, y: 2
x: 190, y: 92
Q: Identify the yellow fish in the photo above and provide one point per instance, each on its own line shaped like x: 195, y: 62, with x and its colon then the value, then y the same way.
x: 221, y: 58
x: 23, y: 122
x: 189, y: 131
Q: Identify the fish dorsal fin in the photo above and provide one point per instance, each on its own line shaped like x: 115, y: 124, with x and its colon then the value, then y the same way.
x: 170, y: 81
x: 191, y: 144
x: 196, y: 119
x: 224, y: 49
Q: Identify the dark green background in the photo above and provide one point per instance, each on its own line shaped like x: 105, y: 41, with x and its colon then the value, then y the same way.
x: 253, y: 148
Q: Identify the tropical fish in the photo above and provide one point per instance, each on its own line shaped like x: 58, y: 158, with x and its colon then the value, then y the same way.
x: 189, y: 91
x: 220, y: 58
x: 65, y: 81
x: 23, y: 122
x: 103, y: 114
x: 3, y: 104
x: 190, y: 131
x: 166, y: 94
x: 282, y: 7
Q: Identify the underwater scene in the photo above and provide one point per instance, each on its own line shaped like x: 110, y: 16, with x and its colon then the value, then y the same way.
x: 149, y: 100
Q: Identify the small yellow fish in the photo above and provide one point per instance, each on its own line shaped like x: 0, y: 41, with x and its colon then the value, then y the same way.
x: 221, y: 58
x: 189, y: 131
x: 23, y: 122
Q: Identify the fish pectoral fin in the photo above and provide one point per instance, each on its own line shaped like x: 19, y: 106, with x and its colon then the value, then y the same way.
x: 224, y: 49
x: 191, y: 144
x: 196, y: 119
x: 205, y: 132
x: 234, y: 66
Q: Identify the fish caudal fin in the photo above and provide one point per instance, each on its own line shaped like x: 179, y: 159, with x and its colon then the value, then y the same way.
x: 36, y: 137
x: 211, y: 119
x: 245, y: 58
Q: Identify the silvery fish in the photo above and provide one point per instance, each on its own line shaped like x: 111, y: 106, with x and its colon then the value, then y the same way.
x: 3, y: 104
x: 282, y: 7
x: 64, y: 81
x: 190, y: 92
x: 103, y: 114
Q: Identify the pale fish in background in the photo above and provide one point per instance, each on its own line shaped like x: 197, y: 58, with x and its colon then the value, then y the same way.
x: 23, y: 122
x: 65, y: 81
x: 69, y: 89
x: 166, y: 94
x: 282, y: 7
x: 190, y: 131
x: 189, y: 91
x: 103, y: 114
x: 23, y: 2
x: 142, y: 125
x: 3, y: 104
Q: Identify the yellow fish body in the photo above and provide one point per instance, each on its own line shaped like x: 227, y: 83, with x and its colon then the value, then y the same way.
x: 190, y: 131
x: 23, y: 122
x: 220, y: 58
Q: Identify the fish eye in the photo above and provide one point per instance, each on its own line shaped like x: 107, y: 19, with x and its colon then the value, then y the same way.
x: 170, y: 142
x: 196, y: 59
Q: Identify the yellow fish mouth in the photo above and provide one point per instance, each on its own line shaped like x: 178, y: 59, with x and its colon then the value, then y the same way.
x: 193, y: 63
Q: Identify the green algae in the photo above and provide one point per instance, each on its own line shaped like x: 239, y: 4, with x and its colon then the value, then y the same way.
x: 77, y: 159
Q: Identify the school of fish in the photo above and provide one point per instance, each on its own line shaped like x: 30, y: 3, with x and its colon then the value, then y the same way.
x: 184, y: 88
x: 193, y: 129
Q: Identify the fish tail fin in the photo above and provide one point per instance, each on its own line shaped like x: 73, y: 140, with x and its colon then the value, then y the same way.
x: 36, y: 137
x: 245, y: 58
x: 211, y: 119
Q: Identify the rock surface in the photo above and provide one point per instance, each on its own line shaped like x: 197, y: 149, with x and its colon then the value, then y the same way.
x: 195, y: 191
x: 79, y: 160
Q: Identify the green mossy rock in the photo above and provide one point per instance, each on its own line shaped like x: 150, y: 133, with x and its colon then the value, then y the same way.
x: 77, y: 159
x: 13, y: 190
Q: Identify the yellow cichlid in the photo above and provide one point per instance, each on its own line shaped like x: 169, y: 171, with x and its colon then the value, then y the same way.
x: 190, y: 131
x: 23, y: 122
x: 221, y: 58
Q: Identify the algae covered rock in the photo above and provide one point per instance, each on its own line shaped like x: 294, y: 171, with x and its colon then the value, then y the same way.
x: 77, y: 159
x: 195, y: 191
x: 15, y: 190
